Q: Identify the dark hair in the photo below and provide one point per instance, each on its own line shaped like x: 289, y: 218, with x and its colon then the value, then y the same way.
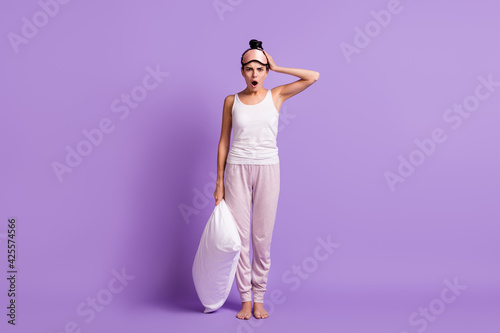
x: 254, y: 44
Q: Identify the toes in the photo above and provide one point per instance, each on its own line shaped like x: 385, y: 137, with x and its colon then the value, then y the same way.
x: 261, y: 315
x: 243, y: 315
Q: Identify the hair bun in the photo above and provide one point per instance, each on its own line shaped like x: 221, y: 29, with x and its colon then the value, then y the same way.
x: 256, y: 44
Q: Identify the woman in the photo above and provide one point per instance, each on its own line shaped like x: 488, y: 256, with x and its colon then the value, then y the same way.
x: 253, y: 169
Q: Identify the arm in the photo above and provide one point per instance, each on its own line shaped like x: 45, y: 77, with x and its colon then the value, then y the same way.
x: 304, y: 74
x: 223, y: 149
x: 307, y: 77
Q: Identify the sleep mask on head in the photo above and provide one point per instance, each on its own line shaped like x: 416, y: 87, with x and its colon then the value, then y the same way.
x: 255, y: 55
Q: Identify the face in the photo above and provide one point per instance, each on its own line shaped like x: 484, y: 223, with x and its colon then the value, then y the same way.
x: 254, y: 72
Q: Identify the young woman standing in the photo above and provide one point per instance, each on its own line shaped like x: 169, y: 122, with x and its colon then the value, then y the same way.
x: 252, y: 167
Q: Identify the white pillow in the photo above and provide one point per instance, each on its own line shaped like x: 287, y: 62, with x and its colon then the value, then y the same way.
x: 215, y: 263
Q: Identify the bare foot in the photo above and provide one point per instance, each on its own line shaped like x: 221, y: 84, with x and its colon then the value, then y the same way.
x: 259, y: 312
x: 246, y: 311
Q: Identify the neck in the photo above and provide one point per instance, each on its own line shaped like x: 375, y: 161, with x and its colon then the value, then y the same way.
x: 257, y: 92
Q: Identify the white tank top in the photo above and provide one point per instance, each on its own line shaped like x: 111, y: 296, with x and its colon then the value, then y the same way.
x: 255, y: 130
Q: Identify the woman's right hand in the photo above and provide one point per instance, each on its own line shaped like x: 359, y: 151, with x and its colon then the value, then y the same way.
x: 219, y: 193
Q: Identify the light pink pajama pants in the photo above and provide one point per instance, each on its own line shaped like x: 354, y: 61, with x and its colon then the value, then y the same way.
x: 260, y: 185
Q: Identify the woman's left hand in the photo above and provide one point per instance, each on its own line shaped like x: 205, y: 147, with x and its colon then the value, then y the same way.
x: 272, y: 64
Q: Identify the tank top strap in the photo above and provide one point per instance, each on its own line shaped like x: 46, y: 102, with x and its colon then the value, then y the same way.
x: 269, y: 98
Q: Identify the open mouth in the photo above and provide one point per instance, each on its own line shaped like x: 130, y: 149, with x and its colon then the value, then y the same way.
x: 255, y: 83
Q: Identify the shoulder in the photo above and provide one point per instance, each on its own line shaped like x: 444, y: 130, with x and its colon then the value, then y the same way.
x: 228, y: 102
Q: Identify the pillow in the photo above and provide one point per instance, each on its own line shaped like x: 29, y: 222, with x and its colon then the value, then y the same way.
x: 215, y: 263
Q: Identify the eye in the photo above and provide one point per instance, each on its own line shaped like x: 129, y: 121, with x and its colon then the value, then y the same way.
x: 260, y: 69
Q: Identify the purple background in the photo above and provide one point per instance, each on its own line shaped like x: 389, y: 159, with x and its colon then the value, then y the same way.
x: 120, y: 208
